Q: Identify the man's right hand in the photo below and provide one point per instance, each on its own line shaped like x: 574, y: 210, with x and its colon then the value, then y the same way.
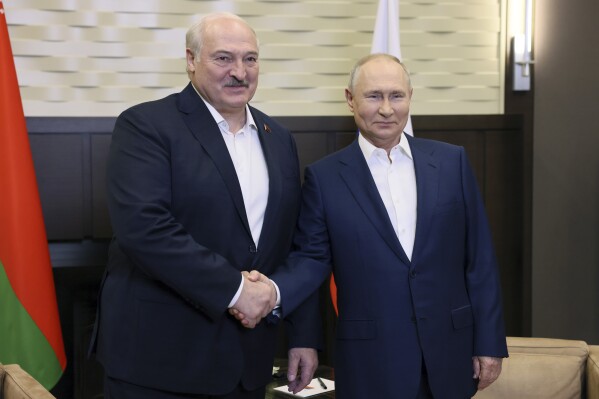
x: 258, y: 298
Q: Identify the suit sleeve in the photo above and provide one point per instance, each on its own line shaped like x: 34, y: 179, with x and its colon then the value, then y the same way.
x: 482, y: 277
x: 309, y: 264
x: 139, y: 202
x: 304, y: 324
x: 305, y: 271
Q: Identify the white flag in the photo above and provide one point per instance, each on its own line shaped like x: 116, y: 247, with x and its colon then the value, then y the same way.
x: 386, y: 36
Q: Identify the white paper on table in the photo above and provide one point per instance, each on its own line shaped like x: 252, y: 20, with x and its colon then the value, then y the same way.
x: 312, y: 389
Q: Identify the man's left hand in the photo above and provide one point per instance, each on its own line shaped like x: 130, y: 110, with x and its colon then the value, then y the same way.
x: 301, y: 367
x: 486, y: 369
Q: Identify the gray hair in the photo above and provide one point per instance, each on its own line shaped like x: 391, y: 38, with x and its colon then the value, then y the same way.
x: 356, y: 69
x: 194, y: 39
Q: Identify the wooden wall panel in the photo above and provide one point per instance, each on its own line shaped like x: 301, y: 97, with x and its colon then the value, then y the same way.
x: 100, y: 144
x: 58, y: 160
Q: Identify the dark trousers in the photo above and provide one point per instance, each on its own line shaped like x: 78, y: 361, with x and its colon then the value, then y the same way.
x: 424, y: 392
x: 117, y: 389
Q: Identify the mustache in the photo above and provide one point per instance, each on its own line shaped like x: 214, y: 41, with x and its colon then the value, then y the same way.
x: 237, y: 83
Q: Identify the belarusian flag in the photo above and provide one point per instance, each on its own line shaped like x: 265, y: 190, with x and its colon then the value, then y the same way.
x: 29, y: 324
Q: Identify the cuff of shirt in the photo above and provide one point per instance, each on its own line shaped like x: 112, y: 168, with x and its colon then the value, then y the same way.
x: 278, y: 304
x: 237, y: 294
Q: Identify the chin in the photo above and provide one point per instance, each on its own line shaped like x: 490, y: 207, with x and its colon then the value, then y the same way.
x: 237, y: 102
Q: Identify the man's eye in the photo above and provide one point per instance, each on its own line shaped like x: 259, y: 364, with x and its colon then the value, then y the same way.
x: 222, y: 60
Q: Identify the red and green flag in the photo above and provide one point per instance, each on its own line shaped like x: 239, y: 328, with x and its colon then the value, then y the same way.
x: 30, y: 332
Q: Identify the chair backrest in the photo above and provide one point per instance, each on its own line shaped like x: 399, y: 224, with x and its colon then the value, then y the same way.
x: 540, y: 368
x: 16, y: 383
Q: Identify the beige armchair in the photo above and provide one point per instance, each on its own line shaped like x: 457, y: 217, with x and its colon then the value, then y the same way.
x: 593, y: 372
x: 548, y: 369
x: 16, y: 383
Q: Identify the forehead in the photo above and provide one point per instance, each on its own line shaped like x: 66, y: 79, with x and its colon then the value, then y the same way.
x: 381, y: 74
x: 229, y: 35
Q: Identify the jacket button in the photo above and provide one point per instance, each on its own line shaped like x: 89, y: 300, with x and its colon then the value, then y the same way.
x: 412, y: 273
x: 253, y: 249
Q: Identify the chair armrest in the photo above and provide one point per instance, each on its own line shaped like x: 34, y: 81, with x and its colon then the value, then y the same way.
x: 18, y: 384
x: 540, y: 368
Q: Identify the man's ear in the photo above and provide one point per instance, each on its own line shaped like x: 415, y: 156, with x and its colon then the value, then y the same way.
x: 350, y: 99
x: 190, y: 58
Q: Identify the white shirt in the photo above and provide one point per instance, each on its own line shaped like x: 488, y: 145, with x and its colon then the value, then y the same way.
x: 248, y: 159
x: 395, y: 179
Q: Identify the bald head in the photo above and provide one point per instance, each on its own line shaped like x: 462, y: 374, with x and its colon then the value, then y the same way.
x: 372, y: 57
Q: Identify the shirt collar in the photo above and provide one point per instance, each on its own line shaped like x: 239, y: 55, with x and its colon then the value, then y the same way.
x: 368, y: 148
x: 220, y: 121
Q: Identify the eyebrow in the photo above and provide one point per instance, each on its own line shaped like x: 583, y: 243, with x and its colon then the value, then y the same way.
x: 231, y: 53
x: 379, y: 91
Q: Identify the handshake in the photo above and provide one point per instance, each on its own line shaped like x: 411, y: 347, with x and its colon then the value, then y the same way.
x: 257, y: 299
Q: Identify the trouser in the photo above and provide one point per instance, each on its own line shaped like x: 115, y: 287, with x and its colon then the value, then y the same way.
x: 117, y: 389
x: 424, y: 392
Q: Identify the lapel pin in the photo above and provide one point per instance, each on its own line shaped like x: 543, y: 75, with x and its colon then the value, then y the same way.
x: 267, y: 128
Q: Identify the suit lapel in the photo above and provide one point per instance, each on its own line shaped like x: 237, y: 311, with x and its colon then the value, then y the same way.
x: 202, y: 125
x: 274, y: 175
x: 427, y: 186
x: 271, y: 154
x: 357, y: 177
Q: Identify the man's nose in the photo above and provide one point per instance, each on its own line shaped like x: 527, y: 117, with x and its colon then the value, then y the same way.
x: 385, y: 108
x: 238, y: 70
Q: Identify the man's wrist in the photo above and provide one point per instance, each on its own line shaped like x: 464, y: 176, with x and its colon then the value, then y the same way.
x: 278, y: 292
x: 237, y: 294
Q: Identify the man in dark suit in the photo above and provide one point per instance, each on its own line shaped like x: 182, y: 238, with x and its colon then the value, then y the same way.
x: 400, y: 223
x: 201, y: 186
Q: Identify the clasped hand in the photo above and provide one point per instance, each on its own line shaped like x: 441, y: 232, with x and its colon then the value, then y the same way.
x: 258, y: 298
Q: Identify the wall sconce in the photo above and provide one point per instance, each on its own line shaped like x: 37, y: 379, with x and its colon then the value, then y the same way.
x: 522, y: 52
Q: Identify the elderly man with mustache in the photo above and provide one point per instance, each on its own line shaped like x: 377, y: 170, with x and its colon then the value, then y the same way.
x: 201, y: 188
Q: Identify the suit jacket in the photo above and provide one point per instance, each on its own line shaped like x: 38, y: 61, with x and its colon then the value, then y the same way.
x: 181, y: 238
x: 443, y: 306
